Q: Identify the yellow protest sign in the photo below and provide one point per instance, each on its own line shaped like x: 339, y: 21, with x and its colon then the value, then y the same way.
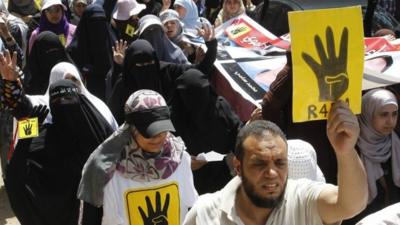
x: 155, y: 205
x: 28, y: 128
x: 328, y: 56
x: 129, y: 30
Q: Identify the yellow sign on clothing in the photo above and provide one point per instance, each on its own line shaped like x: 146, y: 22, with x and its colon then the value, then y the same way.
x: 28, y: 128
x: 328, y: 56
x: 155, y: 205
x: 61, y: 37
x: 130, y: 30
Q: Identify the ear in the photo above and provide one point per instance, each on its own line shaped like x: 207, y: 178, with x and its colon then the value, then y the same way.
x: 237, y: 166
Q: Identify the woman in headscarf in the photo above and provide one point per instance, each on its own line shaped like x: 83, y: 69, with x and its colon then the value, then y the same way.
x: 379, y: 147
x: 46, y: 52
x: 143, y: 70
x: 44, y: 172
x: 91, y: 49
x: 173, y: 28
x: 230, y: 9
x: 53, y: 19
x: 205, y: 122
x: 152, y: 30
x: 141, y: 174
x: 188, y: 13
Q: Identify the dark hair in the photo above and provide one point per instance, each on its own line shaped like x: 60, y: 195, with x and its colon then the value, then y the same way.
x: 257, y: 129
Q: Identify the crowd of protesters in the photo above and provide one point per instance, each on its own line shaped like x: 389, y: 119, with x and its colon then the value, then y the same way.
x: 126, y: 105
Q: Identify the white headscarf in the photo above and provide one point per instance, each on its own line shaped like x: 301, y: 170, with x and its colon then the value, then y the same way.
x: 58, y: 72
x: 374, y: 147
x: 302, y: 161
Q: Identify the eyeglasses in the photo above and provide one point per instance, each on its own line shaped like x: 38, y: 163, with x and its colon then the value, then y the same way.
x: 54, y: 9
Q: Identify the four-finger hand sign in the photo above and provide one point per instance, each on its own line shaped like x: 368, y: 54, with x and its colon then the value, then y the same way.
x: 331, y: 73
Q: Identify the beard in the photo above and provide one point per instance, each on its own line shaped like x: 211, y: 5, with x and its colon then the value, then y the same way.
x: 258, y: 200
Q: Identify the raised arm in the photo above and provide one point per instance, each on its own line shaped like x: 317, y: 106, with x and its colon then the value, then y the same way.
x: 350, y: 196
x: 13, y: 96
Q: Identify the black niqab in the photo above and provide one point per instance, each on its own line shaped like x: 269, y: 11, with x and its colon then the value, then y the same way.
x: 44, y: 172
x: 205, y: 122
x: 91, y: 48
x: 47, y: 51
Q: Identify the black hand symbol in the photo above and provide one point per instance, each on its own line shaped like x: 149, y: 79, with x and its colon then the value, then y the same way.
x: 331, y: 74
x: 158, y: 216
x: 28, y: 129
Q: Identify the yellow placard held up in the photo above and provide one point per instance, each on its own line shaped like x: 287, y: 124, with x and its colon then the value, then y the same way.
x: 28, y: 128
x: 328, y: 56
x: 154, y: 205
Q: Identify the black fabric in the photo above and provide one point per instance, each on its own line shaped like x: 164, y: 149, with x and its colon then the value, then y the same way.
x: 91, y: 215
x: 161, y: 80
x: 205, y: 122
x: 44, y: 172
x: 147, y: 116
x: 152, y: 7
x: 91, y: 49
x: 47, y: 51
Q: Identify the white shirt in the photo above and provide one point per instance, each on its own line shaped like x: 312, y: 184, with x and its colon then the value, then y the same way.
x: 299, y: 206
x: 130, y: 202
x: 387, y: 216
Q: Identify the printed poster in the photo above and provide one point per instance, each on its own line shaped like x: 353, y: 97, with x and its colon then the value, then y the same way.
x: 155, y: 205
x: 328, y: 57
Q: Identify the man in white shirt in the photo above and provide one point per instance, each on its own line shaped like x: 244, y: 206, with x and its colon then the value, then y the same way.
x: 261, y: 193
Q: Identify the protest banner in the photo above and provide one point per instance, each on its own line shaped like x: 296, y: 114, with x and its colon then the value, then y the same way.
x: 328, y: 57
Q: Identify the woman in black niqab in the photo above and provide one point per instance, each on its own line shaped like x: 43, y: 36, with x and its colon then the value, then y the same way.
x: 46, y: 52
x: 91, y: 49
x: 44, y: 172
x: 205, y: 122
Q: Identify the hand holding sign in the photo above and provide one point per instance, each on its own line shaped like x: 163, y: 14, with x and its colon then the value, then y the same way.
x: 331, y: 73
x: 157, y: 216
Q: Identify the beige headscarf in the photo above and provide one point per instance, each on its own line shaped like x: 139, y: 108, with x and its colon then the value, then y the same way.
x: 374, y: 147
x: 224, y: 16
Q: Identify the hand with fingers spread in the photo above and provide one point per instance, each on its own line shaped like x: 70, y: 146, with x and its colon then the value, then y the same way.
x: 8, y: 66
x: 157, y: 215
x: 119, y: 51
x: 342, y: 128
x: 39, y: 111
x: 331, y: 73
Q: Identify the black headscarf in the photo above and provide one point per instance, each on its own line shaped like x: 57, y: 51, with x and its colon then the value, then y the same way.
x: 46, y: 52
x: 91, y: 48
x: 152, y: 7
x: 205, y: 122
x: 44, y: 172
x: 136, y: 77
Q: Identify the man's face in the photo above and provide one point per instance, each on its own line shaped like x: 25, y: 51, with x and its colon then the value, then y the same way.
x: 264, y: 170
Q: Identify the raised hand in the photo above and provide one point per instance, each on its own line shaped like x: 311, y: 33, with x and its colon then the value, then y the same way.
x: 331, y: 73
x: 8, y: 66
x: 39, y: 111
x: 157, y: 215
x: 342, y: 128
x: 119, y: 51
x: 207, y: 31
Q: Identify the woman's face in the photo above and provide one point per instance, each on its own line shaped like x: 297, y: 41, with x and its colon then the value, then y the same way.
x: 232, y: 6
x: 385, y: 119
x: 171, y: 28
x: 181, y: 11
x: 79, y: 8
x: 54, y: 14
x: 153, y: 144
